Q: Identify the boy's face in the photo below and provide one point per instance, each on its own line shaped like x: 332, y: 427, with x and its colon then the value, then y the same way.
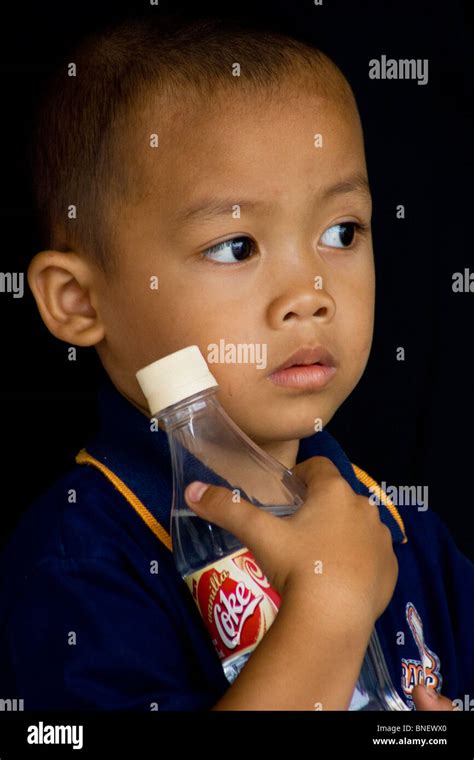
x: 264, y: 289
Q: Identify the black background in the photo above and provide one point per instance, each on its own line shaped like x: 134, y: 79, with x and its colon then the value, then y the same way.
x: 407, y: 423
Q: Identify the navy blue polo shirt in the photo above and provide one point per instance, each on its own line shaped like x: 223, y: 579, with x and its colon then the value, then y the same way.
x: 94, y: 614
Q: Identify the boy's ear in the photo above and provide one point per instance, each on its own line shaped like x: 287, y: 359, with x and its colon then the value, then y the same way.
x: 64, y: 288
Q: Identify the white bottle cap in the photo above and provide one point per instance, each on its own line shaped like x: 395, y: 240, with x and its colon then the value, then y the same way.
x: 174, y: 378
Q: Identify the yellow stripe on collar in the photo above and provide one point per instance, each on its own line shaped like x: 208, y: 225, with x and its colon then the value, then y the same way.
x: 382, y: 496
x: 85, y: 458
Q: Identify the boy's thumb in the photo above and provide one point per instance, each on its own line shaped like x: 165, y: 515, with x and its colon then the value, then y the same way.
x: 228, y: 510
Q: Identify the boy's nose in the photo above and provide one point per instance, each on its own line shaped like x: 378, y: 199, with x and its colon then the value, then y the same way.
x: 302, y: 303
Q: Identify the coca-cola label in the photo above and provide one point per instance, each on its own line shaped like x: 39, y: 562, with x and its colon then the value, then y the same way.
x: 236, y: 602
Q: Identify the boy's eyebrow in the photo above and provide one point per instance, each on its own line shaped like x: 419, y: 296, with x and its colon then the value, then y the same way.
x: 209, y: 207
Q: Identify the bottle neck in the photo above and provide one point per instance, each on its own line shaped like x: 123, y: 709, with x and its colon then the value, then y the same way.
x: 180, y: 413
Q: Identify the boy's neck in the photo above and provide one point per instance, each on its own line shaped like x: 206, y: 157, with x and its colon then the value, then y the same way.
x: 284, y: 451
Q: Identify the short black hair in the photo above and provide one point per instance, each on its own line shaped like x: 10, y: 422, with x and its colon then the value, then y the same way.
x: 74, y: 155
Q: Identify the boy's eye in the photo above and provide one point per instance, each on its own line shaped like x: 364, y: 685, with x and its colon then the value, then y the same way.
x: 230, y: 251
x: 240, y: 248
x: 340, y: 235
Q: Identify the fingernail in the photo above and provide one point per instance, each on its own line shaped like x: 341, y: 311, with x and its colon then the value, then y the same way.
x: 196, y: 490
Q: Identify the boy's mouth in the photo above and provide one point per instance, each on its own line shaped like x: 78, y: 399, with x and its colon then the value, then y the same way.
x: 307, y: 355
x: 308, y: 367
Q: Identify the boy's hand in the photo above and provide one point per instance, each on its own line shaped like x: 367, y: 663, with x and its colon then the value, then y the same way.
x: 426, y: 698
x: 335, y: 527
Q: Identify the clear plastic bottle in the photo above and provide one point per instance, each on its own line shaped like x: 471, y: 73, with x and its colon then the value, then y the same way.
x: 234, y: 598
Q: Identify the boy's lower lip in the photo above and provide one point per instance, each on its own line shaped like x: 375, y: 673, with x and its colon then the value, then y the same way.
x: 304, y: 376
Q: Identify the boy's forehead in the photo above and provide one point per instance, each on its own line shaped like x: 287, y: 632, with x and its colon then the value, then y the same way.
x: 230, y: 121
x: 239, y: 143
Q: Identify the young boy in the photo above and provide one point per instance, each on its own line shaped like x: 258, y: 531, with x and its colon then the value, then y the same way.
x: 200, y: 184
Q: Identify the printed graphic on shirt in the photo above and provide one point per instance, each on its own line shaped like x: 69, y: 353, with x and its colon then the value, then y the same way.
x: 427, y: 668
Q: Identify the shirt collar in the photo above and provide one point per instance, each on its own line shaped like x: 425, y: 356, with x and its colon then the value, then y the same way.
x: 140, y: 457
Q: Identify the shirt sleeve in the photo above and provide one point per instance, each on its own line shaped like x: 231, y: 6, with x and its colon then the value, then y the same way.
x: 85, y: 634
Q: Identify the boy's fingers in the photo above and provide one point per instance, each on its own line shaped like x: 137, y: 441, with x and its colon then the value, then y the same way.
x: 426, y: 698
x: 219, y: 505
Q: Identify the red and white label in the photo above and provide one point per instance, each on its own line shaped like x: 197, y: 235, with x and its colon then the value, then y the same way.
x: 236, y: 602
